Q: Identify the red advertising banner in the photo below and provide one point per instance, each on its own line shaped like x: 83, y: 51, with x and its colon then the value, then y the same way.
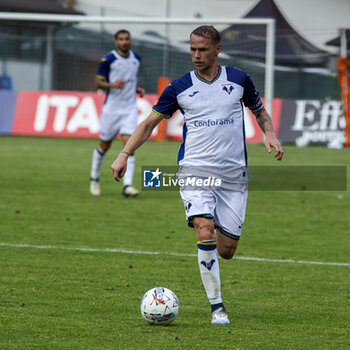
x: 65, y: 113
x: 77, y: 114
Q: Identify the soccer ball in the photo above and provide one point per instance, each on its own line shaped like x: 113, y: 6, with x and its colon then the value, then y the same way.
x: 160, y: 306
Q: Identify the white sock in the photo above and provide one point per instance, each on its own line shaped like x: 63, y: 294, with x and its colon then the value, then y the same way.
x: 97, y: 160
x: 209, y: 269
x: 129, y: 174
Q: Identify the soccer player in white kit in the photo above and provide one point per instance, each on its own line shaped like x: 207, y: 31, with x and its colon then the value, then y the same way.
x: 117, y: 74
x: 211, y: 98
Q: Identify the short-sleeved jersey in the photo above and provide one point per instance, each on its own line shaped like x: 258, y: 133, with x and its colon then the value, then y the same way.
x: 114, y: 67
x: 213, y: 130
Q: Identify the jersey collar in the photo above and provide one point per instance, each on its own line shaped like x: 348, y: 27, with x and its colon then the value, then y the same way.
x: 209, y: 81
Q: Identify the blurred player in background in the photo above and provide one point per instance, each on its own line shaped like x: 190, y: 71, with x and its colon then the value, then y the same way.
x: 211, y: 98
x: 117, y: 74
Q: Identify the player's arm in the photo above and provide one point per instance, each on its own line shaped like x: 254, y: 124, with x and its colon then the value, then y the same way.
x: 103, y: 84
x: 140, y: 91
x: 252, y: 100
x: 101, y: 79
x: 140, y: 135
x: 265, y: 123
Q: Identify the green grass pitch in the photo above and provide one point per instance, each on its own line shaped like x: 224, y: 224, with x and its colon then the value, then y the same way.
x: 55, y: 295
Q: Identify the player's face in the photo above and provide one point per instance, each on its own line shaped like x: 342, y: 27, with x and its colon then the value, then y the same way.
x: 203, y: 52
x: 123, y: 42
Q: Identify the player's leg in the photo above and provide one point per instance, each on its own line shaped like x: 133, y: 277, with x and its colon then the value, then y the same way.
x: 208, y: 263
x: 199, y: 206
x: 128, y: 189
x: 128, y: 127
x: 97, y: 159
x: 226, y: 246
x: 229, y: 218
x: 110, y: 125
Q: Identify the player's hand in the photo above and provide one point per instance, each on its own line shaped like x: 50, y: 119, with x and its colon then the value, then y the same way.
x: 140, y: 91
x: 119, y: 84
x: 119, y: 166
x: 272, y: 142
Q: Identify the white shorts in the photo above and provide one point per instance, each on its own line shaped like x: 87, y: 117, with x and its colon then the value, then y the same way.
x: 120, y: 122
x: 226, y: 208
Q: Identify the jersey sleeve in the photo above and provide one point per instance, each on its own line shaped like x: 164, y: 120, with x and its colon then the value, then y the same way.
x: 167, y: 104
x: 137, y: 56
x: 103, y: 69
x: 251, y: 97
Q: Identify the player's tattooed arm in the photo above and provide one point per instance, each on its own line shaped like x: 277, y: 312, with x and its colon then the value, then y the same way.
x: 264, y: 120
x: 265, y: 123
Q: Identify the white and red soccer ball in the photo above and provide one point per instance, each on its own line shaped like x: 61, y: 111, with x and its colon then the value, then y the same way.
x: 160, y: 306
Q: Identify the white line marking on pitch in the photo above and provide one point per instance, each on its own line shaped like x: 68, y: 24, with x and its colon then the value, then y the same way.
x: 124, y: 251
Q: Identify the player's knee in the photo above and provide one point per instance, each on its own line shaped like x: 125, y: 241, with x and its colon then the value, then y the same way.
x: 104, y: 146
x: 227, y: 251
x: 204, y: 231
x: 205, y: 234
